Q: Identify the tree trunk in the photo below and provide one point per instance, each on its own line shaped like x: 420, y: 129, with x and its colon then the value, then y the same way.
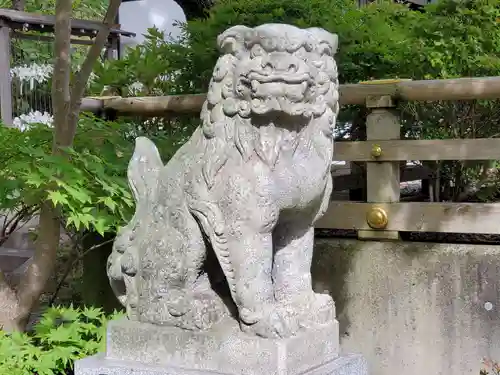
x: 17, y: 305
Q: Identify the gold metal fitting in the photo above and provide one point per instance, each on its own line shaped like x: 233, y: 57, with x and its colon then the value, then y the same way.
x: 377, y: 218
x: 376, y: 151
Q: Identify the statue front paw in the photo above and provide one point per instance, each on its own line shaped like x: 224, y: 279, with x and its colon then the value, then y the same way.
x: 322, y: 308
x: 207, y: 311
x: 268, y: 321
x: 310, y: 309
x: 321, y: 301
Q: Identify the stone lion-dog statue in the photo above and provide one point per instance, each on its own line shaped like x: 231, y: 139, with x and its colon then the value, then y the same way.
x: 245, y: 191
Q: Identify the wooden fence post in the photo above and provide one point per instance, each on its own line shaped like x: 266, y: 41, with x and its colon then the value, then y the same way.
x: 382, y: 178
x: 5, y: 80
x: 112, y: 47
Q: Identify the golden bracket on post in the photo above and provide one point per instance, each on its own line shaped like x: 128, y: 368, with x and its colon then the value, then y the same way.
x: 377, y: 218
x: 376, y: 151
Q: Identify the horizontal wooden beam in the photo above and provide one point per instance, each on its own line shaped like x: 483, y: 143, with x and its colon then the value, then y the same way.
x: 357, y: 180
x: 147, y: 105
x: 426, y: 90
x: 47, y: 38
x: 417, y: 217
x: 44, y: 23
x: 435, y: 149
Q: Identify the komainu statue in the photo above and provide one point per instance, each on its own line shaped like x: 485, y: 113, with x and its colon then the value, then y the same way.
x: 241, y: 197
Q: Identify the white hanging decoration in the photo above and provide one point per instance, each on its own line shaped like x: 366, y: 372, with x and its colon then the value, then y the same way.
x: 38, y: 73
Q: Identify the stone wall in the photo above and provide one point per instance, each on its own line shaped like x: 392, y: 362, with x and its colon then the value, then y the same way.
x: 414, y: 308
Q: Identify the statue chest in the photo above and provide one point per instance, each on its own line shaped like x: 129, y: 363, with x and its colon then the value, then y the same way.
x: 301, y: 179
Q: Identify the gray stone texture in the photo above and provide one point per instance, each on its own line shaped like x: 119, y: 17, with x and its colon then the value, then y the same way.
x: 353, y: 364
x: 223, y: 348
x: 145, y: 349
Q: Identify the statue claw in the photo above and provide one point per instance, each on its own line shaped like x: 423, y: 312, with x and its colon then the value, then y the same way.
x: 268, y: 322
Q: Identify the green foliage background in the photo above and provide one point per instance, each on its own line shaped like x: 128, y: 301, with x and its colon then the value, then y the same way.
x: 93, y: 192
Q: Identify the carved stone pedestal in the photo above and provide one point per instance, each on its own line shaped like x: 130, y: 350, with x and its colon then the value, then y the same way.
x: 142, y: 349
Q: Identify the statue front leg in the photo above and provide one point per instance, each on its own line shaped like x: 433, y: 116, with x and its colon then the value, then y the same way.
x: 292, y: 261
x: 251, y: 258
x: 292, y: 276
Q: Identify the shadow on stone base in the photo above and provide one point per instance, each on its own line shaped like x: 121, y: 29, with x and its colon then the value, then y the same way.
x: 146, y: 349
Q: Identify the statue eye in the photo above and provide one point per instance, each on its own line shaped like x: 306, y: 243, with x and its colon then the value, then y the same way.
x: 325, y: 49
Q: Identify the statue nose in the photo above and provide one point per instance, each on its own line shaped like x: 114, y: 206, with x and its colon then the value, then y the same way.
x: 282, y: 64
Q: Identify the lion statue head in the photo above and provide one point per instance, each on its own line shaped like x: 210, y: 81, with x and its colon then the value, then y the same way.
x: 272, y: 79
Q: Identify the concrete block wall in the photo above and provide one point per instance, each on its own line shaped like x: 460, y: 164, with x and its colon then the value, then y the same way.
x: 414, y: 308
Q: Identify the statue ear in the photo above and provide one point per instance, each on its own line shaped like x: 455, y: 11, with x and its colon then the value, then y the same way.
x: 143, y: 170
x: 323, y: 36
x: 232, y: 40
x: 334, y: 43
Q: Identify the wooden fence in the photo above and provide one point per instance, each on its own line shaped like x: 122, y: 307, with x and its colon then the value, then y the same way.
x: 383, y: 216
x: 40, y: 27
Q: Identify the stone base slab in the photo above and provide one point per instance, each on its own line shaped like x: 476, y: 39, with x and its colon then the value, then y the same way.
x: 224, y: 349
x: 353, y: 364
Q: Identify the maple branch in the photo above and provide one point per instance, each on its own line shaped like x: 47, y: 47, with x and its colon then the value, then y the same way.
x: 82, y: 76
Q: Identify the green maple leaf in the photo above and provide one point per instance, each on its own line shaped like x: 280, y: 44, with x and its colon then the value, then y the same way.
x: 57, y: 198
x: 64, y: 354
x: 100, y: 226
x: 20, y: 339
x: 75, y: 220
x: 47, y: 364
x: 79, y: 194
x: 92, y: 313
x: 70, y: 314
x: 60, y: 334
x: 109, y: 202
x: 86, y: 219
x: 92, y: 347
x: 35, y: 180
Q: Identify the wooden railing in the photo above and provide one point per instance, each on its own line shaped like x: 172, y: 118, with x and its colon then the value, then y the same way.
x: 383, y: 216
x: 428, y: 90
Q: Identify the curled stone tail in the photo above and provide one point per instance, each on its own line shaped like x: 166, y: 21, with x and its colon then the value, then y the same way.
x: 123, y: 263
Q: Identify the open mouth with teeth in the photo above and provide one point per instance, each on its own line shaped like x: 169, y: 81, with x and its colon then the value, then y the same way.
x: 295, y: 92
x: 292, y: 94
x: 289, y: 78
